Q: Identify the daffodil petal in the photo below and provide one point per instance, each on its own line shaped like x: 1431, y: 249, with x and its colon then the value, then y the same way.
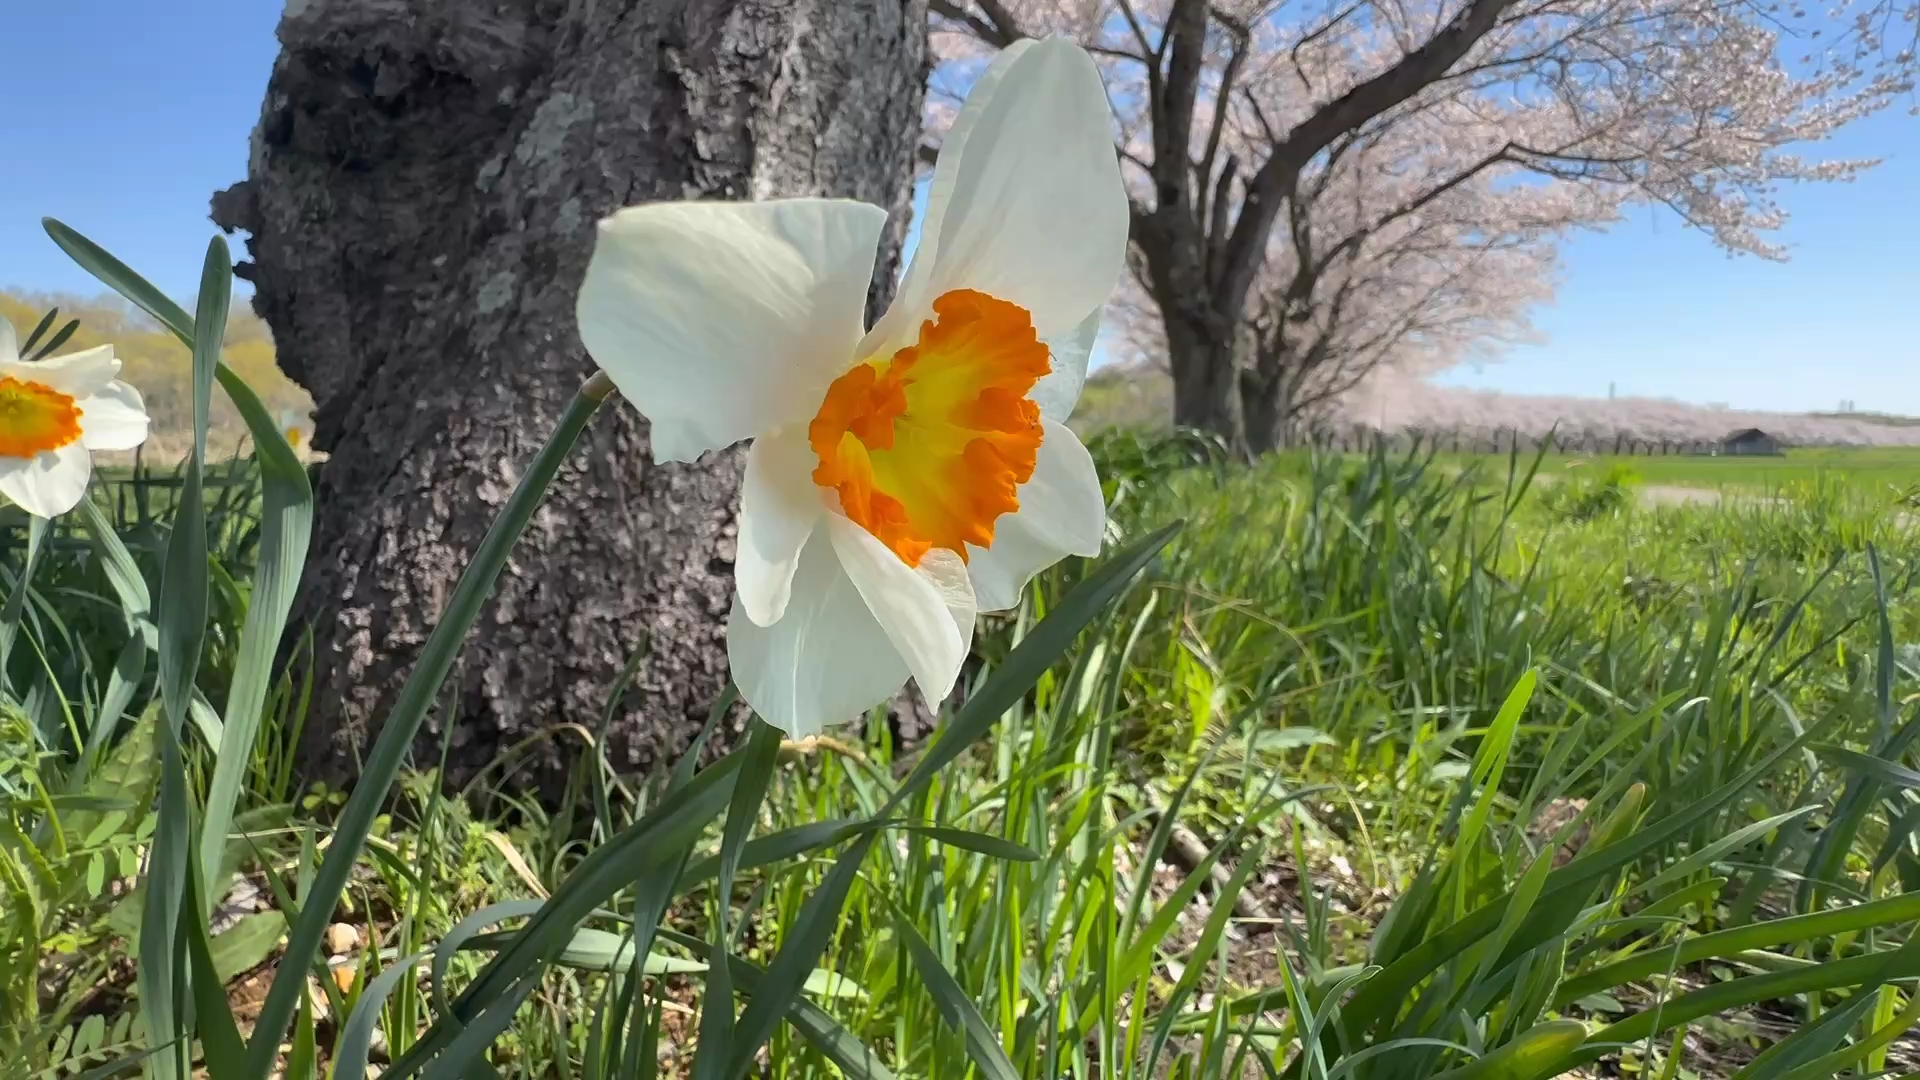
x: 779, y: 508
x: 1058, y: 391
x: 114, y: 418
x: 902, y: 320
x: 722, y: 321
x: 1062, y: 512
x: 78, y: 375
x: 674, y: 440
x: 9, y: 344
x: 947, y: 573
x: 1037, y: 214
x: 914, y: 613
x: 825, y: 662
x: 48, y: 484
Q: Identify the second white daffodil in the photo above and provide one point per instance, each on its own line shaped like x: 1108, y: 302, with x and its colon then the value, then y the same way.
x: 53, y: 414
x: 904, y: 477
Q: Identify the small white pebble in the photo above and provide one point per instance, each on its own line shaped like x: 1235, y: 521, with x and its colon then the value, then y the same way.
x: 342, y: 939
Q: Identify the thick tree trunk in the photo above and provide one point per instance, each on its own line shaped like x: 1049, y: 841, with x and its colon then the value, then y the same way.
x: 1270, y: 392
x: 1201, y: 346
x: 1206, y: 391
x: 1268, y: 414
x: 422, y: 194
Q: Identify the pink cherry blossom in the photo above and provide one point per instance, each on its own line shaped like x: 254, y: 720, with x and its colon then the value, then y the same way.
x: 1328, y: 188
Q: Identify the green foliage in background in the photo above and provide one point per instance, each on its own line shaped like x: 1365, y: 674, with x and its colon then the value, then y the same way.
x: 1583, y: 496
x: 1880, y: 472
x: 1386, y: 765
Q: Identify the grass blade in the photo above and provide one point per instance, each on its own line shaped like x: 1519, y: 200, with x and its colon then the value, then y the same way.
x: 1386, y: 992
x: 1526, y: 1057
x: 659, y: 839
x: 993, y: 847
x: 39, y: 328
x: 955, y: 1008
x: 17, y: 602
x: 356, y: 1035
x: 286, y: 525
x: 182, y: 622
x: 1863, y: 972
x: 220, y: 1043
x: 1852, y: 920
x: 95, y: 260
x: 1836, y: 1063
x: 814, y: 1024
x: 801, y: 947
x: 749, y: 790
x: 463, y: 931
x: 1037, y: 652
x: 1811, y: 1042
x: 58, y: 339
x: 389, y: 752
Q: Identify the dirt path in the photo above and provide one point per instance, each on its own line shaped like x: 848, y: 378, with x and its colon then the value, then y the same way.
x: 1657, y: 495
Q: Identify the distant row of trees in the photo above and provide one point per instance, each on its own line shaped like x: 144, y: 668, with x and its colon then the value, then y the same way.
x: 1355, y: 437
x: 1396, y: 403
x: 1141, y: 397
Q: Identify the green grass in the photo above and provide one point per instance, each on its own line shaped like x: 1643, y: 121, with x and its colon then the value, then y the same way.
x: 1340, y: 669
x: 1379, y: 766
x: 1885, y: 470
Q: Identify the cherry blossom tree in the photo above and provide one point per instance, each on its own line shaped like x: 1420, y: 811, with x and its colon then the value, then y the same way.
x: 1374, y: 264
x: 1320, y: 188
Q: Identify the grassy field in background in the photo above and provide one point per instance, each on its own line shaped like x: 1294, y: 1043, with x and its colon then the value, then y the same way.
x: 1892, y: 470
x: 1359, y: 702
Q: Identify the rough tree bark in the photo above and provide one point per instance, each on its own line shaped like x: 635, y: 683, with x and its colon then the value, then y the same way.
x: 422, y: 193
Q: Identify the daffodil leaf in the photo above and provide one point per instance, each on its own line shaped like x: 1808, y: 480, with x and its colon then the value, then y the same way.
x: 356, y: 1035
x: 983, y: 1046
x: 1038, y: 651
x: 397, y: 730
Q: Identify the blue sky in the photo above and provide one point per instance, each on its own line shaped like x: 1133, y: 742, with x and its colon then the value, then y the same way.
x: 125, y: 115
x: 1660, y: 311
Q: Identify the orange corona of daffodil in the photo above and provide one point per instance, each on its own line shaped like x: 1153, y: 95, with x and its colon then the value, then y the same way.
x: 904, y: 477
x: 53, y: 414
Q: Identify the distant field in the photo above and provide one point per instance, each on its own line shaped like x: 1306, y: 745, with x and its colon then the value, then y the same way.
x: 1891, y: 468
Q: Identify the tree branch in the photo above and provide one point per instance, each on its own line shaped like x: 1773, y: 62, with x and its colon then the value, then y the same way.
x: 1186, y: 34
x: 1344, y: 114
x: 1353, y: 240
x: 1140, y: 33
x: 1222, y: 97
x: 1217, y: 219
x: 996, y: 28
x: 1002, y: 18
x: 1319, y: 32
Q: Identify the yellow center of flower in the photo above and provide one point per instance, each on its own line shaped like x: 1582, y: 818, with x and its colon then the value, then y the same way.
x: 293, y: 437
x: 35, y: 418
x: 928, y: 447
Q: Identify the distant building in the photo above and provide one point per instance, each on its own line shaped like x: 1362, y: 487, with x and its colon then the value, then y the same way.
x: 1748, y: 441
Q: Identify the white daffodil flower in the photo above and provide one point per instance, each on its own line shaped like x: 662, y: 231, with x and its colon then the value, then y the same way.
x: 297, y: 427
x: 53, y: 414
x: 905, y: 477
